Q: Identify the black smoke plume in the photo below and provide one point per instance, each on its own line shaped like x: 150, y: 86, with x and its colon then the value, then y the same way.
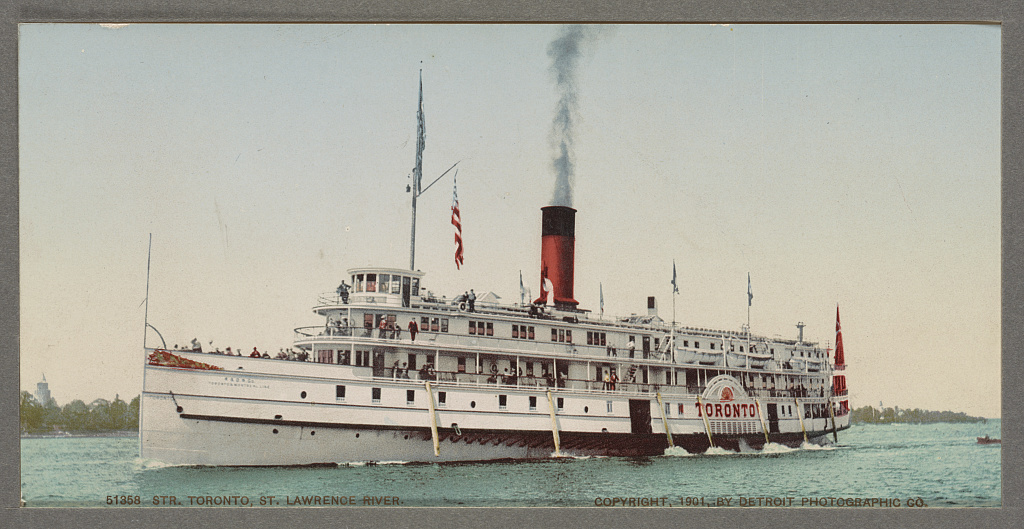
x: 565, y: 54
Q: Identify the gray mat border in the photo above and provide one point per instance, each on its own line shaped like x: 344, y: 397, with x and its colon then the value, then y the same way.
x: 1005, y: 12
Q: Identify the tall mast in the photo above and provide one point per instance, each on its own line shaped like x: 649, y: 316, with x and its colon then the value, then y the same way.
x: 417, y: 174
x: 145, y: 327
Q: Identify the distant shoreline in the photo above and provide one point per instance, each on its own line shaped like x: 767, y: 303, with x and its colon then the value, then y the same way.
x: 118, y: 433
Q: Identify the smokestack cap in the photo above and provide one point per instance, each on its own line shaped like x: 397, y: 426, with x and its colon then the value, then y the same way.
x: 558, y: 220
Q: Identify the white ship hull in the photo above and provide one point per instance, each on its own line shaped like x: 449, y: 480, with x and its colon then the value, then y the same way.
x: 277, y: 412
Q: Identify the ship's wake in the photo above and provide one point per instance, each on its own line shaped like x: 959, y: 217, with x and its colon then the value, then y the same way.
x: 677, y: 451
x: 776, y: 448
x: 719, y: 451
x: 139, y: 464
x: 812, y: 446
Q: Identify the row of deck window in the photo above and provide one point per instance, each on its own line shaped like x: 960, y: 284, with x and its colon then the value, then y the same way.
x: 784, y: 410
x: 524, y: 332
x: 442, y: 399
x: 596, y: 338
x: 481, y: 328
x: 385, y: 283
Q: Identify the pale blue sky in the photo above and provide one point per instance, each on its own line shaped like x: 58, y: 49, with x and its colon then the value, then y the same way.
x: 850, y: 164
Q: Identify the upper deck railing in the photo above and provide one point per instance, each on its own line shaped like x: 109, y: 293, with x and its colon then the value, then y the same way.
x: 540, y: 347
x: 528, y: 381
x: 442, y: 304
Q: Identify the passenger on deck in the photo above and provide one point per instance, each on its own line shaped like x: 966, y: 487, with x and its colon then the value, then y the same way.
x: 196, y: 346
x: 228, y: 352
x: 383, y: 328
x: 413, y: 329
x: 345, y: 331
x: 254, y: 353
x: 405, y: 370
x: 266, y: 354
x: 396, y: 329
x: 607, y: 381
x: 343, y: 291
x: 612, y: 380
x: 632, y: 348
x: 281, y: 355
x: 472, y: 300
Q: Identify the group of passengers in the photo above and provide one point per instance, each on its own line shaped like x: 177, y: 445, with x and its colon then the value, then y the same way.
x: 513, y: 377
x: 389, y: 330
x: 337, y: 327
x: 402, y: 371
x: 610, y: 379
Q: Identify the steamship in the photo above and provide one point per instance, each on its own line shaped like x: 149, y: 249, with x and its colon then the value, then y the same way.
x: 491, y: 381
x: 391, y: 372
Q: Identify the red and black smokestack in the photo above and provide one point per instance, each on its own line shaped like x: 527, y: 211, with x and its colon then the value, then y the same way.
x: 557, y: 255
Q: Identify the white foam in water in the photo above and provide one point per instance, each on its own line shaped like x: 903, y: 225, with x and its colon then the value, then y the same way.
x: 776, y: 448
x: 677, y: 451
x: 149, y: 464
x: 811, y: 446
x: 745, y: 448
x: 718, y: 451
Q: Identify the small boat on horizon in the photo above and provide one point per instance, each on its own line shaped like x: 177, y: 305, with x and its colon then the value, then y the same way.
x: 989, y: 441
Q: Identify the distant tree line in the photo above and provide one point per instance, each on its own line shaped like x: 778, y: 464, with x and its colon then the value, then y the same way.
x: 76, y: 416
x: 872, y: 415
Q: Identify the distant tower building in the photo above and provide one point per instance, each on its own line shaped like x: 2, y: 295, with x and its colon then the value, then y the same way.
x: 43, y: 391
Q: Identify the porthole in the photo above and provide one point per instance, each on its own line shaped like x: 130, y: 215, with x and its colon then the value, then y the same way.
x: 277, y: 417
x: 275, y: 430
x: 586, y: 409
x: 303, y: 394
x: 472, y: 404
x: 604, y: 430
x: 407, y: 437
x: 180, y: 409
x: 357, y: 436
x: 312, y: 433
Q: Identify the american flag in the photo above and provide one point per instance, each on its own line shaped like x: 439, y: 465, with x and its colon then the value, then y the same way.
x: 457, y: 222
